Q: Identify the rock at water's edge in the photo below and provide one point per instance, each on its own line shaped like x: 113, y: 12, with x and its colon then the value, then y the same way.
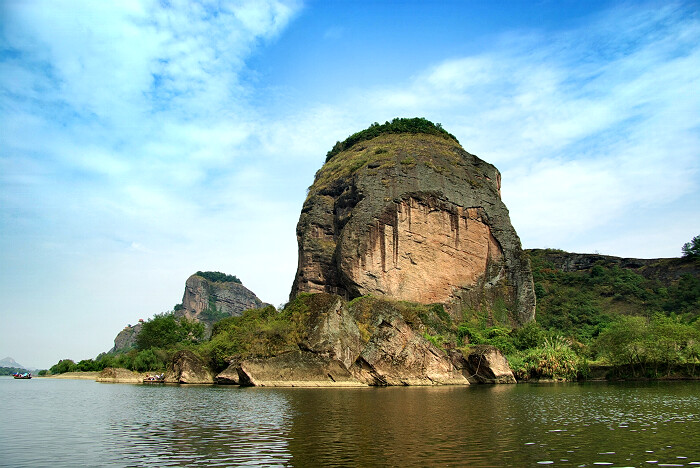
x: 187, y: 368
x: 483, y: 364
x: 296, y: 369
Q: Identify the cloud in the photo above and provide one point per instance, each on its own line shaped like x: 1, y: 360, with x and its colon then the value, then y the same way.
x: 586, y: 124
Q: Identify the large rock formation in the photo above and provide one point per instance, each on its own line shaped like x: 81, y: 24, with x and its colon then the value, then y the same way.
x: 186, y: 367
x: 208, y: 297
x: 413, y: 216
x: 208, y: 301
x: 369, y: 341
x: 126, y: 339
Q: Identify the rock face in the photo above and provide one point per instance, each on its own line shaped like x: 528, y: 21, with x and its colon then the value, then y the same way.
x: 186, y: 367
x: 413, y: 217
x: 369, y: 341
x: 126, y: 339
x: 299, y: 369
x: 208, y: 301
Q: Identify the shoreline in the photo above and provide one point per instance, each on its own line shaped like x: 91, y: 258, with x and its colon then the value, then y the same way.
x: 91, y: 375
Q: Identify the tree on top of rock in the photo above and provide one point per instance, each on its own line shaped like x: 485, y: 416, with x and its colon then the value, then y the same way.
x: 692, y: 249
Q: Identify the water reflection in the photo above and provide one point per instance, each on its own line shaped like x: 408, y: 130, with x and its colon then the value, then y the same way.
x: 69, y: 423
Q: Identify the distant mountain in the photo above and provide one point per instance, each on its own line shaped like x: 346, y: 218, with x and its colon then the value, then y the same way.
x: 9, y: 362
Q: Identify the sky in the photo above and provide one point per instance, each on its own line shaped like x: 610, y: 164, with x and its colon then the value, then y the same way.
x: 142, y: 141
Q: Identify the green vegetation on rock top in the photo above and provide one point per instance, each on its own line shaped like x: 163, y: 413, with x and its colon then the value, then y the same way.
x: 217, y: 276
x: 397, y: 125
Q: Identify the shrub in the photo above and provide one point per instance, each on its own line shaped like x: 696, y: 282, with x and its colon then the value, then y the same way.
x: 164, y: 330
x: 63, y: 366
x: 692, y: 249
x: 554, y: 360
x: 217, y: 276
x: 397, y: 125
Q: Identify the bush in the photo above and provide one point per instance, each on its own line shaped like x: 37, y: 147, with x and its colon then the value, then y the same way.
x: 554, y: 360
x: 63, y: 366
x: 164, y: 330
x: 217, y: 276
x: 397, y: 125
x: 147, y: 360
x: 649, y: 346
x: 692, y: 249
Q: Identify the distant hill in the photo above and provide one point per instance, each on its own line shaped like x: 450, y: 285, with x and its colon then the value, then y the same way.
x: 9, y: 362
x: 579, y: 294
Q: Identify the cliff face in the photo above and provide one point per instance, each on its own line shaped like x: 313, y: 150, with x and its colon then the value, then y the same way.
x: 413, y: 217
x: 126, y: 339
x: 665, y: 270
x: 208, y: 301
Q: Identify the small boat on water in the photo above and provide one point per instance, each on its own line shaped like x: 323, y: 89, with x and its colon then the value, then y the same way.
x: 159, y: 378
x: 26, y: 375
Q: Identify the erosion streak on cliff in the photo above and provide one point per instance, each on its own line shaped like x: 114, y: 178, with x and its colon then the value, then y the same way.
x: 416, y: 252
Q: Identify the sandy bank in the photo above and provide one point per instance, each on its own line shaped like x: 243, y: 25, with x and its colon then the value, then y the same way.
x: 74, y: 375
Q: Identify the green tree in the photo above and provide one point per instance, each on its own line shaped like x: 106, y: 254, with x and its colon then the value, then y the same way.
x: 63, y: 366
x: 624, y: 341
x: 147, y: 360
x: 692, y: 249
x: 165, y: 330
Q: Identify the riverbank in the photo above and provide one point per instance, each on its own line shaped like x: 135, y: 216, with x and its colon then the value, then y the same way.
x: 73, y: 375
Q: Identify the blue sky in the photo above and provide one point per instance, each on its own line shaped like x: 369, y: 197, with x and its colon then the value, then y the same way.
x: 141, y: 141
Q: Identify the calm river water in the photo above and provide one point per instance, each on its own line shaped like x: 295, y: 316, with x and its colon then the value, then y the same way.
x: 49, y: 422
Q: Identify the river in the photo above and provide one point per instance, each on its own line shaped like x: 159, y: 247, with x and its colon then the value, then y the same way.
x: 61, y: 423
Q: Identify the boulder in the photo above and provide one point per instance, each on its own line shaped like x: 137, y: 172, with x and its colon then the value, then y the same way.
x: 296, y: 369
x: 483, y: 364
x: 229, y: 376
x: 331, y: 330
x: 187, y: 368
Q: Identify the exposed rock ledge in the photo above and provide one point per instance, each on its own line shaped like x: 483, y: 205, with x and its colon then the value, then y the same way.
x: 368, y: 342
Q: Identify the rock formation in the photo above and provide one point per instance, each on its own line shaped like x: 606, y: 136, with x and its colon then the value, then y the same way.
x: 483, y: 364
x: 207, y: 301
x: 665, y: 270
x: 119, y: 375
x: 186, y: 367
x: 204, y: 300
x: 126, y: 339
x: 369, y: 341
x: 413, y: 216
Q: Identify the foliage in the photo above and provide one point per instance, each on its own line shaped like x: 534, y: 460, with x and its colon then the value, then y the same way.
x: 217, y: 276
x: 555, y: 359
x: 11, y: 370
x: 165, y: 330
x: 63, y: 366
x: 684, y: 297
x: 649, y: 346
x: 258, y: 332
x: 692, y: 249
x: 397, y: 125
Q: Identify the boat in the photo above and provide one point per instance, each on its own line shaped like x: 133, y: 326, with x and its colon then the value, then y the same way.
x: 160, y: 378
x: 26, y: 375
